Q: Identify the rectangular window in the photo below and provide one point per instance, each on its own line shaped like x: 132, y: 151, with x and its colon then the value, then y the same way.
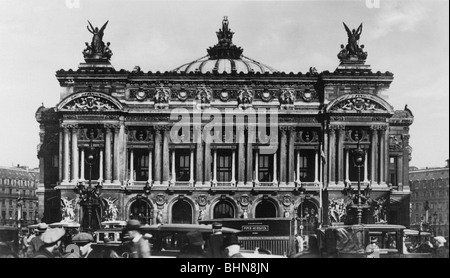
x: 141, y: 164
x: 224, y: 164
x: 182, y: 161
x: 265, y: 168
x: 307, y: 165
x: 393, y: 171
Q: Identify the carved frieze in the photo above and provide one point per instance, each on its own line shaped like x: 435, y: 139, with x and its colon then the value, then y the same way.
x: 204, y: 94
x: 161, y: 97
x: 90, y: 103
x: 245, y: 98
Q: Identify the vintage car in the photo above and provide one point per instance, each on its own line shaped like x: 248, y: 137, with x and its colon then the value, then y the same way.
x: 350, y: 241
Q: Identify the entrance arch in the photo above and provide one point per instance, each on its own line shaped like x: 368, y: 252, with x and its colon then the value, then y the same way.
x: 223, y: 209
x: 182, y: 212
x: 265, y: 209
x: 141, y: 210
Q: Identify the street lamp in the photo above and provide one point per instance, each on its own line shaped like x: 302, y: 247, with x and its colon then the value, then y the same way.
x: 358, y: 156
x: 89, y: 195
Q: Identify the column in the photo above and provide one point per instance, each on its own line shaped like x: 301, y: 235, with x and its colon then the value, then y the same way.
x: 207, y: 181
x: 249, y: 158
x: 386, y: 156
x: 316, y: 168
x: 340, y: 155
x: 60, y: 156
x: 174, y: 175
x: 400, y: 172
x: 275, y: 181
x: 283, y: 158
x: 291, y: 159
x: 75, y: 163
x: 82, y: 177
x: 233, y: 167
x: 66, y: 155
x: 382, y: 156
x: 158, y: 157
x: 332, y: 157
x: 241, y: 155
x: 215, y: 167
x: 166, y: 158
x: 150, y: 166
x: 108, y: 172
x: 100, y: 176
x: 131, y: 178
x: 374, y: 159
x: 347, y: 164
x: 256, y: 167
x: 298, y: 168
x: 325, y: 151
x: 116, y: 161
x: 199, y: 178
x: 191, y: 168
x: 366, y: 176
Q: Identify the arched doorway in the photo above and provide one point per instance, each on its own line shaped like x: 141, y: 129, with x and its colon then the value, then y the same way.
x: 182, y: 212
x: 308, y: 215
x: 265, y: 209
x: 223, y: 209
x: 141, y: 210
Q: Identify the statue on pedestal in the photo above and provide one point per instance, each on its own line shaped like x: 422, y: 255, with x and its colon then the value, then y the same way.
x: 353, y: 50
x: 97, y: 49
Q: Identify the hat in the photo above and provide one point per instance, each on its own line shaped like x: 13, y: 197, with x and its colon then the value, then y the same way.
x: 83, y: 238
x: 52, y: 235
x: 231, y: 240
x: 373, y: 239
x: 440, y: 239
x: 42, y: 227
x: 72, y: 251
x: 217, y: 225
x: 195, y: 238
x: 133, y: 225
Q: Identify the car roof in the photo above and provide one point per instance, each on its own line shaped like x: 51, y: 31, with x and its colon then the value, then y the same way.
x: 370, y: 227
x: 411, y: 232
x: 186, y: 227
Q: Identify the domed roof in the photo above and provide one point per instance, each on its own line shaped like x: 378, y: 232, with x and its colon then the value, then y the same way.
x: 225, y: 57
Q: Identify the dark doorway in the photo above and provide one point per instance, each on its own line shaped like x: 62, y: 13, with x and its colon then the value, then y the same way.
x: 182, y: 212
x: 265, y: 209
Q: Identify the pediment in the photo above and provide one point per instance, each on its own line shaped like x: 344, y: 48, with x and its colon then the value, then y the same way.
x: 90, y: 101
x: 359, y: 103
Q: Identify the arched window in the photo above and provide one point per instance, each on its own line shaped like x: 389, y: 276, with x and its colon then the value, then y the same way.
x: 265, y: 209
x: 182, y: 212
x: 223, y: 209
x: 142, y: 211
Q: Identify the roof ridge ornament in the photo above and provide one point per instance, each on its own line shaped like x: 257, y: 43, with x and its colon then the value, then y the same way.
x: 97, y: 50
x: 225, y: 49
x: 352, y: 53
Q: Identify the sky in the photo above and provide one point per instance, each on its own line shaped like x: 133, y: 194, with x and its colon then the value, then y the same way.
x: 407, y: 38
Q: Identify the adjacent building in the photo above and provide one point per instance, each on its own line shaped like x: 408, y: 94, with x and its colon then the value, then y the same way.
x: 18, y: 200
x: 429, y: 198
x: 190, y: 144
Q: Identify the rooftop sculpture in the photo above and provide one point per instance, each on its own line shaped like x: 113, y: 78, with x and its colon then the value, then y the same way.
x: 97, y: 49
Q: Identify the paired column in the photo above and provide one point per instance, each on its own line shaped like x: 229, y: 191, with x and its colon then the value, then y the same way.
x: 150, y: 163
x: 347, y: 164
x: 158, y: 157
x: 291, y: 159
x: 108, y: 171
x: 298, y: 169
x: 166, y: 158
x: 382, y: 156
x: 116, y: 162
x: 332, y: 157
x: 207, y: 150
x: 374, y: 156
x: 275, y: 181
x: 66, y: 155
x: 340, y: 155
x: 241, y: 155
x: 282, y: 148
x: 250, y: 158
x: 191, y: 168
x: 173, y: 172
x: 131, y: 179
x: 316, y: 167
x: 256, y: 167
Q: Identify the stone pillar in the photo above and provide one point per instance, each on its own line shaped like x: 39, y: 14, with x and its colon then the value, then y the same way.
x: 100, y: 176
x: 298, y: 168
x: 82, y: 176
x: 405, y: 169
x: 66, y: 155
x: 374, y: 156
x: 150, y: 166
x: 249, y: 158
x: 382, y: 156
x: 340, y: 155
x: 275, y: 181
x: 256, y: 167
x: 324, y: 166
x: 316, y: 167
x: 215, y: 167
x: 116, y: 162
x: 241, y: 156
x: 60, y: 156
x: 366, y: 176
x: 173, y: 172
x: 347, y: 164
x: 108, y: 172
x: 291, y: 159
x: 199, y: 178
x: 166, y: 158
x: 75, y: 162
x: 207, y: 181
x: 131, y: 178
x: 158, y: 157
x: 400, y: 172
x: 191, y: 168
x: 386, y: 156
x: 332, y: 156
x: 283, y: 161
x: 233, y: 167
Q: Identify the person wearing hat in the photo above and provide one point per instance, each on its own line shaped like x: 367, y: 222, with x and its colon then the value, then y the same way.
x: 140, y: 247
x: 232, y: 247
x: 372, y: 250
x: 84, y: 242
x: 36, y: 242
x: 52, y: 243
x: 439, y: 244
x: 215, y: 242
x: 194, y: 247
